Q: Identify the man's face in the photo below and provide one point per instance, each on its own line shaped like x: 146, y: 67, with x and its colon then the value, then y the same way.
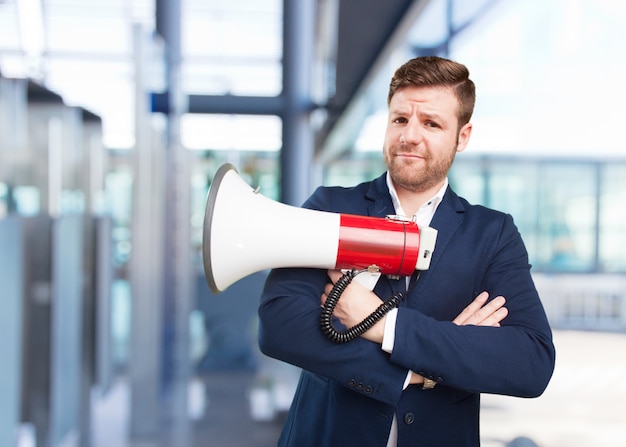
x: 422, y: 137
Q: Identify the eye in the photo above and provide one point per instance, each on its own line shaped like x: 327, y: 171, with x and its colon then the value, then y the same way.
x: 399, y: 120
x: 433, y: 124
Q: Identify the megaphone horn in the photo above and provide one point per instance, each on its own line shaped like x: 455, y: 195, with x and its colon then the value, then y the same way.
x: 245, y: 232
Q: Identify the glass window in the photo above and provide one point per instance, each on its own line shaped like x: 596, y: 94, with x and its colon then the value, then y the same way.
x: 553, y: 205
x: 612, y: 235
x: 566, y: 217
x: 4, y: 200
x: 27, y: 200
x: 354, y: 170
x: 513, y: 187
x: 232, y: 47
x: 507, y: 186
x: 467, y: 179
x: 119, y: 197
x: 259, y: 169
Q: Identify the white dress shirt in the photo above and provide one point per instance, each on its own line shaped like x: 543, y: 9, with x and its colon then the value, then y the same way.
x: 423, y: 217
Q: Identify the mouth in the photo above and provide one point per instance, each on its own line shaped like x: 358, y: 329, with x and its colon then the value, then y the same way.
x: 409, y: 156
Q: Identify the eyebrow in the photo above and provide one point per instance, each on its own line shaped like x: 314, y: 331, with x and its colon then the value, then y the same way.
x: 406, y: 111
x: 432, y: 115
x: 399, y: 111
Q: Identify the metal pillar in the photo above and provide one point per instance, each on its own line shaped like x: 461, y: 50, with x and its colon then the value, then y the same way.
x: 12, y: 280
x: 145, y: 263
x: 298, y: 137
x: 177, y: 267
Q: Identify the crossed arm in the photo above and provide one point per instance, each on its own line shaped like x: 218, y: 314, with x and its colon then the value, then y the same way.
x: 357, y: 302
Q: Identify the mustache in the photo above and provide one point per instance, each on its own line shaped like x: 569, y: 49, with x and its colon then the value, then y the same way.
x: 406, y: 148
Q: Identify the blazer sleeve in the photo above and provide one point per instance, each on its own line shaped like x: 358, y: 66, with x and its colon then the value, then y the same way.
x: 515, y: 359
x: 289, y: 329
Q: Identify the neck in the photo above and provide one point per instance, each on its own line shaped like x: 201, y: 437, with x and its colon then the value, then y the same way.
x: 411, y: 201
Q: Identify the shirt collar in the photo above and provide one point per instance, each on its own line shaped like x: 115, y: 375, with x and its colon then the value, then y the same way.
x: 426, y: 212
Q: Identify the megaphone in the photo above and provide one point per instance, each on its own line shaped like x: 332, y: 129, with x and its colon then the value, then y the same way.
x: 245, y: 232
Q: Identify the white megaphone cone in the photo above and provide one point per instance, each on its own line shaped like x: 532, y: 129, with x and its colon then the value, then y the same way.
x: 245, y: 232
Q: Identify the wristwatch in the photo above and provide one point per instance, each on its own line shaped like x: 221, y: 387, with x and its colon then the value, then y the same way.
x: 428, y: 384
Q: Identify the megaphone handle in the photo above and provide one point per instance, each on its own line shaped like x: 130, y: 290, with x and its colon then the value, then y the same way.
x: 360, y: 328
x: 367, y: 279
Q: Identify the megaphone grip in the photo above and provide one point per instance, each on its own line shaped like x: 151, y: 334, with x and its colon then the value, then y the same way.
x: 355, y: 331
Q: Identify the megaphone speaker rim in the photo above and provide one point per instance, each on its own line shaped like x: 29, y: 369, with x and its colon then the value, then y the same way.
x: 208, y: 219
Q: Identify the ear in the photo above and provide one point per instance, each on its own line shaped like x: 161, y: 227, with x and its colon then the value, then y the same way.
x: 464, y: 136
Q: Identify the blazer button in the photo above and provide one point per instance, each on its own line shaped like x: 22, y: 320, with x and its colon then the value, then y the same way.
x: 409, y: 418
x: 367, y: 389
x: 351, y: 383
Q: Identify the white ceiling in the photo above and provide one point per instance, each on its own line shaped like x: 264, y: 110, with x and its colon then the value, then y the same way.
x: 549, y: 73
x: 85, y: 52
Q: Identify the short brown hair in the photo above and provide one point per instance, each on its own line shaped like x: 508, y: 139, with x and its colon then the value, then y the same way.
x: 437, y: 71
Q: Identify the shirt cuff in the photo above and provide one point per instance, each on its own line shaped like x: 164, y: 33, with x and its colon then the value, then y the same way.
x: 389, y: 335
x: 407, y: 381
x: 389, y: 338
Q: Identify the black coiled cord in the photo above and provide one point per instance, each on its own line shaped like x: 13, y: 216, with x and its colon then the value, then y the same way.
x: 355, y: 331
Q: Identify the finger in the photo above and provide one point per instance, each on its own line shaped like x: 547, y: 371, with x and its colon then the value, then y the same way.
x: 325, y: 293
x: 495, y: 318
x: 487, y: 311
x: 471, y: 309
x: 334, y: 275
x: 327, y: 289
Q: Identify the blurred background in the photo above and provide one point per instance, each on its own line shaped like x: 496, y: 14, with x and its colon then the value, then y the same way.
x: 115, y: 115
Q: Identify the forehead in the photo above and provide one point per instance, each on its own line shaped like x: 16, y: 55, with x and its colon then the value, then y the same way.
x: 440, y: 99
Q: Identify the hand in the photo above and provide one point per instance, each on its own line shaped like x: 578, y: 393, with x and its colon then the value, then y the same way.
x: 477, y: 313
x: 355, y: 304
x: 480, y: 314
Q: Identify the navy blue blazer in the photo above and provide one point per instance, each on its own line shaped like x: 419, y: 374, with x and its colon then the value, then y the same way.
x: 348, y: 393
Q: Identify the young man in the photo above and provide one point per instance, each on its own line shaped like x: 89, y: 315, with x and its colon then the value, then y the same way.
x: 415, y: 377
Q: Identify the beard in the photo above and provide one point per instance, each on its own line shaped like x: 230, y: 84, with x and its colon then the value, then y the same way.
x: 417, y: 176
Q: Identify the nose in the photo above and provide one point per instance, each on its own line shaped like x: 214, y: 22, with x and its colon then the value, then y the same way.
x: 411, y: 133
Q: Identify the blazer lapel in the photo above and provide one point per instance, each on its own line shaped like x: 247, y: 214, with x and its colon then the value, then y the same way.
x: 446, y: 221
x: 379, y: 197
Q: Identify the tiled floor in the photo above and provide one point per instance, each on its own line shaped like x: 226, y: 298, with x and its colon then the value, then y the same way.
x: 227, y: 421
x: 584, y: 405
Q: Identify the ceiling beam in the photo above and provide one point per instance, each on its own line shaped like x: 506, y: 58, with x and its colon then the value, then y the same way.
x: 369, y: 30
